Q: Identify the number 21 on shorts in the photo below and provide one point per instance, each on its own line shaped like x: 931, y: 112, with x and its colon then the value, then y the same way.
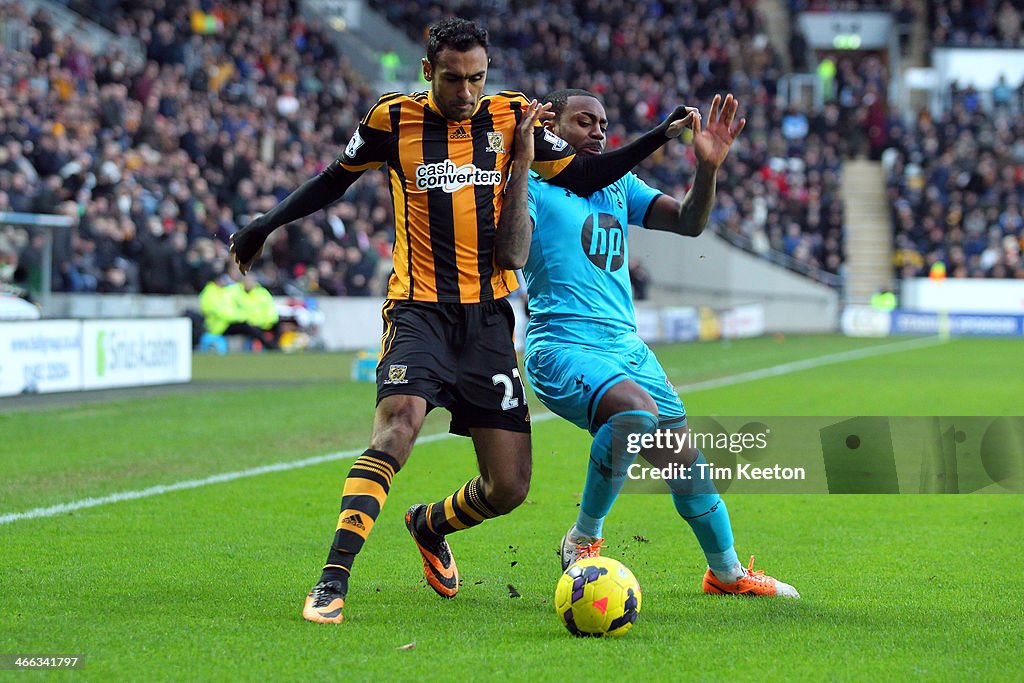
x: 510, y: 401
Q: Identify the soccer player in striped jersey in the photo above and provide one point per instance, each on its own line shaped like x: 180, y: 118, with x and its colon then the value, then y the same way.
x: 584, y: 358
x: 450, y: 152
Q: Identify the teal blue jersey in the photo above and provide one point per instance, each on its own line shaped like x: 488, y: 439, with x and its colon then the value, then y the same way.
x: 577, y: 274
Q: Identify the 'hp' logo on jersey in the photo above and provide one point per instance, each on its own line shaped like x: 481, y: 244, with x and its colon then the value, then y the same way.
x: 605, y: 243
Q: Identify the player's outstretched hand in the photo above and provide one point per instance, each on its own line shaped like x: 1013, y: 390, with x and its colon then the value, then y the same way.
x: 711, y: 145
x: 246, y: 245
x: 525, y: 130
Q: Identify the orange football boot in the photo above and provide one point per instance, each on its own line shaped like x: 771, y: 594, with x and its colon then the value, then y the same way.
x: 324, y: 603
x: 438, y: 564
x: 755, y: 583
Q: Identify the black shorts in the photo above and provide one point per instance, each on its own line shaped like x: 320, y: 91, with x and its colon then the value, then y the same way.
x: 458, y: 356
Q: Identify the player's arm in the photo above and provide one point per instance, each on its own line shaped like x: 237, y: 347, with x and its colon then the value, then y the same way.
x: 558, y: 162
x: 711, y: 145
x: 515, y: 229
x: 365, y: 150
x: 312, y: 195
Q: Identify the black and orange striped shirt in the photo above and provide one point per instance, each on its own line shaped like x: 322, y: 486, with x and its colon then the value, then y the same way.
x: 447, y: 182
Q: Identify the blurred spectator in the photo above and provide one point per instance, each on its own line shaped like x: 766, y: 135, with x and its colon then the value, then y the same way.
x: 12, y: 277
x: 797, y: 49
x: 906, y: 17
x: 162, y: 261
x: 359, y: 269
x: 883, y: 300
x: 229, y: 310
x: 639, y: 278
x: 257, y: 308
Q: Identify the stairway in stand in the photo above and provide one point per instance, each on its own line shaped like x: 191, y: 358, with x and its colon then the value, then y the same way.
x: 867, y: 230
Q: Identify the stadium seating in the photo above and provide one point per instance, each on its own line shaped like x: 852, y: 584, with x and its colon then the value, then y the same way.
x: 782, y: 175
x: 955, y: 184
x: 976, y: 24
x: 955, y: 178
x: 164, y: 160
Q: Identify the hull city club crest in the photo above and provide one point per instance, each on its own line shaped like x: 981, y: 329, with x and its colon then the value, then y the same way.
x: 495, y: 142
x: 396, y: 374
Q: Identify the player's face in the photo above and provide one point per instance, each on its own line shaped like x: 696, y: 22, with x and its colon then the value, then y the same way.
x: 583, y: 124
x: 457, y: 80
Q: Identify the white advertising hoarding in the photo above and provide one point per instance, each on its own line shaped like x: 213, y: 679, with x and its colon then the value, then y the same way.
x: 964, y: 295
x: 351, y: 322
x: 40, y: 357
x: 978, y: 67
x: 680, y: 324
x: 120, y: 353
x: 864, y: 321
x: 647, y: 324
x: 743, y: 321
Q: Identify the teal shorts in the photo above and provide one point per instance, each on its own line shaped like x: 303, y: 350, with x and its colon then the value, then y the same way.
x: 571, y: 379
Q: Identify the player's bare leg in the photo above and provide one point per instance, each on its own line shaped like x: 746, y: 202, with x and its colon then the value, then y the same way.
x: 396, y: 424
x: 506, y: 466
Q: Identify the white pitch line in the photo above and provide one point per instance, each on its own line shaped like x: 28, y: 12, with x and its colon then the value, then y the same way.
x: 774, y: 371
x: 62, y: 508
x: 810, y: 363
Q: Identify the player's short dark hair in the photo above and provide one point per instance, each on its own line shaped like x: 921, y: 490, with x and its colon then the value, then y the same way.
x: 456, y: 34
x: 560, y: 98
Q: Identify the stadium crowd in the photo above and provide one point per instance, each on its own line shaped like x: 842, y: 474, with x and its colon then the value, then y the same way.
x: 956, y: 184
x: 976, y: 23
x: 162, y: 162
x: 778, y: 192
x: 955, y: 180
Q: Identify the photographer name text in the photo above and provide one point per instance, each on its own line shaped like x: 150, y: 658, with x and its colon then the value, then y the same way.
x: 711, y: 472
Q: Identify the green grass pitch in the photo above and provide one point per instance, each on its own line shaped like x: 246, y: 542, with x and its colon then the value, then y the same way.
x: 207, y: 583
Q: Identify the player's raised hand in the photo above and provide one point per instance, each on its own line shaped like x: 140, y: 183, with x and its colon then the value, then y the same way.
x: 712, y: 143
x: 526, y: 129
x: 246, y: 245
x: 689, y: 119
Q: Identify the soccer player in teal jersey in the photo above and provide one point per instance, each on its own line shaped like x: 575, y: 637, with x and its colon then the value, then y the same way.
x: 583, y: 355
